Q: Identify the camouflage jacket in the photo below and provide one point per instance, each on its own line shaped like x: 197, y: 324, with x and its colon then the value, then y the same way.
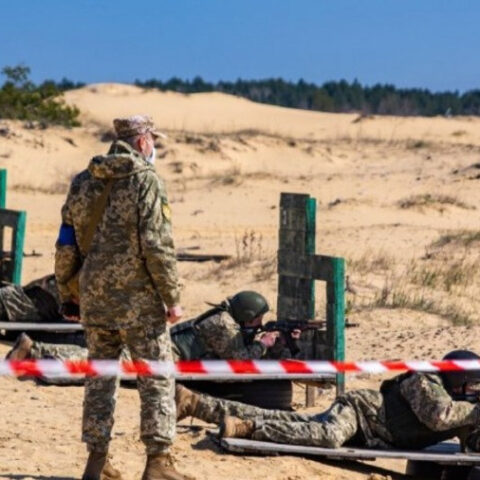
x: 222, y: 337
x: 130, y: 271
x: 430, y: 403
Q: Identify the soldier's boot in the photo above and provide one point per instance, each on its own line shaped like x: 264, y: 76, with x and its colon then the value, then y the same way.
x: 186, y: 402
x: 234, y: 427
x: 95, y: 463
x: 21, y: 349
x: 161, y: 467
x: 109, y: 472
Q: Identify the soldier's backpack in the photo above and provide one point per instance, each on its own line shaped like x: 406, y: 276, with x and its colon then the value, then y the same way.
x: 99, y: 208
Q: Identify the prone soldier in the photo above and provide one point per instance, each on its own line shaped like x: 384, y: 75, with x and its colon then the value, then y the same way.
x: 38, y: 301
x: 412, y: 410
x: 222, y: 332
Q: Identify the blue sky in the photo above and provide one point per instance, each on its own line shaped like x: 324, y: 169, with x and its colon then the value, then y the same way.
x: 411, y: 43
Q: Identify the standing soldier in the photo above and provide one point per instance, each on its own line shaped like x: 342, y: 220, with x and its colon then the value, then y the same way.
x: 115, y: 259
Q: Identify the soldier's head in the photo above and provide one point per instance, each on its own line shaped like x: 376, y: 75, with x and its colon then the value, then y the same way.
x: 462, y: 384
x: 140, y: 133
x: 248, y: 308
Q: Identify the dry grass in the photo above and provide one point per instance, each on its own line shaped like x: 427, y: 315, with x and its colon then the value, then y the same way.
x: 445, y: 275
x: 397, y: 295
x: 444, y: 285
x: 249, y: 255
x: 371, y: 261
x: 416, y: 144
x: 232, y: 176
x: 435, y: 201
x: 266, y: 269
x: 56, y: 188
x: 462, y: 238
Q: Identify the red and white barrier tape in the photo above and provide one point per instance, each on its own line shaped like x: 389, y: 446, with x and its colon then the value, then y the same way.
x: 223, y: 368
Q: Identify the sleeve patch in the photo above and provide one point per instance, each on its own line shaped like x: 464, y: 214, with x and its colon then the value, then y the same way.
x: 66, y: 235
x: 167, y: 213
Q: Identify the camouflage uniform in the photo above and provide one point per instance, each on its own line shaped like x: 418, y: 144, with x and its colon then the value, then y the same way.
x: 62, y: 352
x: 214, y: 335
x: 35, y: 302
x: 125, y: 280
x: 418, y: 413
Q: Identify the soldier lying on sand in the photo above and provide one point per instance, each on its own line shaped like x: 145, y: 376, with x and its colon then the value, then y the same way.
x: 37, y: 301
x: 219, y: 333
x: 412, y: 410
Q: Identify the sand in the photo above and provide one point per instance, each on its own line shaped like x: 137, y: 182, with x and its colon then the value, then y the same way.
x: 226, y: 160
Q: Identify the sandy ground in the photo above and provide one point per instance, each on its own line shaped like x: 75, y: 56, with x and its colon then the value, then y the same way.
x: 387, y: 189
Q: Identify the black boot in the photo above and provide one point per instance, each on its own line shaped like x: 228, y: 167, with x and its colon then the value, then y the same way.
x: 95, y: 463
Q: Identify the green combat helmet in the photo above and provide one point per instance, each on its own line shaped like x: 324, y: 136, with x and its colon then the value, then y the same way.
x: 247, y: 305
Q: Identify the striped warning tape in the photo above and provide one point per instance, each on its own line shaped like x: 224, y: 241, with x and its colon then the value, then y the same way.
x: 223, y: 368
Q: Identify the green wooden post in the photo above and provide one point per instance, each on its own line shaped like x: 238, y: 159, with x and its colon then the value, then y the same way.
x: 311, y: 227
x: 12, y: 270
x: 299, y: 267
x: 336, y: 315
x: 3, y: 188
x: 19, y: 243
x: 311, y: 224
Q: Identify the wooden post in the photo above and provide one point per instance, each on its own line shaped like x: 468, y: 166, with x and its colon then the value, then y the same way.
x: 12, y: 259
x: 17, y: 248
x: 336, y: 315
x: 3, y: 188
x: 299, y: 267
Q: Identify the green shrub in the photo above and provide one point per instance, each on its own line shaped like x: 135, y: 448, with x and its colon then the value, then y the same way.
x: 20, y: 99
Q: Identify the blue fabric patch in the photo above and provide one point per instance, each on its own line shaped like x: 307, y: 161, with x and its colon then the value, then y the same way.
x: 66, y: 235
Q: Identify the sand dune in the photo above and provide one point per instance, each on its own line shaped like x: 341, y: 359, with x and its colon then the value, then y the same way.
x: 218, y: 112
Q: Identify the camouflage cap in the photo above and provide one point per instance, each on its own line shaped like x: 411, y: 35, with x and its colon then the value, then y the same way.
x: 135, y: 125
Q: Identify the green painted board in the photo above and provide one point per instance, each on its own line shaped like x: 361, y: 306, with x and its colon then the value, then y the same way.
x: 310, y: 246
x: 19, y: 243
x: 336, y: 315
x: 3, y: 188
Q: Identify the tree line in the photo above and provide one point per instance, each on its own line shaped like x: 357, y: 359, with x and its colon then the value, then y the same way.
x: 21, y: 99
x: 338, y: 96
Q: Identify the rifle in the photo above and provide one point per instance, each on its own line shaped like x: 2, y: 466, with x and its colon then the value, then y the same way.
x: 290, y: 325
x: 287, y: 327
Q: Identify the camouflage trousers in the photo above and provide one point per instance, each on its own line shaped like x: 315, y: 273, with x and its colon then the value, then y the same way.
x: 330, y: 429
x: 64, y: 351
x: 41, y: 350
x: 158, y: 415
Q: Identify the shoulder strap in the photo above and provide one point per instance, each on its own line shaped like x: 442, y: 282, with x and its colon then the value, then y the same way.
x: 97, y: 213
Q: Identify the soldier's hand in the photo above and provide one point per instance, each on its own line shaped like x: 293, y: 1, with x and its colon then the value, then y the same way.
x: 174, y: 314
x: 295, y: 334
x: 269, y: 339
